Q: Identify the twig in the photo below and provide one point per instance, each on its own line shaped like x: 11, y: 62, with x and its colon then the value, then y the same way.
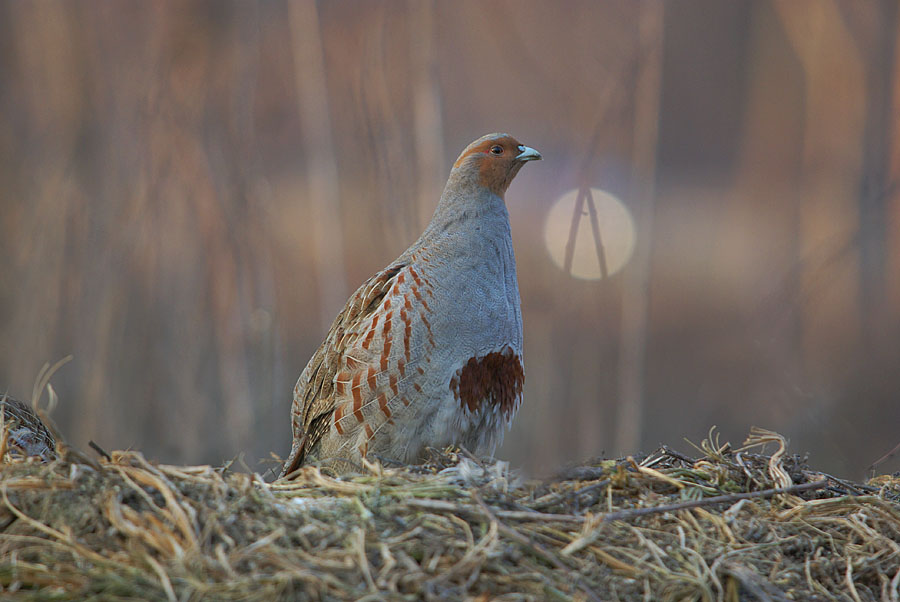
x: 754, y: 583
x: 677, y: 455
x: 442, y: 506
x: 577, y: 212
x: 595, y: 229
x: 589, y: 538
x: 711, y: 501
x: 99, y: 450
x: 589, y: 489
x: 883, y: 458
x: 472, y: 457
x: 847, y: 486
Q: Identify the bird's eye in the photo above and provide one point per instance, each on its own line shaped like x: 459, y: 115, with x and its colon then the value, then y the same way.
x: 497, y: 149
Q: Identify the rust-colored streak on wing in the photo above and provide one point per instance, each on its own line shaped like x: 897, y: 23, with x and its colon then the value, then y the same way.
x: 371, y: 334
x: 496, y: 378
x: 385, y: 355
x: 415, y: 276
x: 427, y: 327
x: 392, y: 379
x: 340, y: 383
x: 407, y: 333
x: 355, y: 385
x: 357, y: 396
x: 338, y: 415
x: 421, y: 299
x: 383, y: 405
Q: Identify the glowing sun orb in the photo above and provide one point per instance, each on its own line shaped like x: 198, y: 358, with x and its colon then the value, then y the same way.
x: 615, y: 226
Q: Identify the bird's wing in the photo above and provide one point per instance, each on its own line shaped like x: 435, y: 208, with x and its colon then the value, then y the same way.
x: 360, y: 368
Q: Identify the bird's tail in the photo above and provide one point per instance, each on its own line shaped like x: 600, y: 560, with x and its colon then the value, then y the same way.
x: 295, y: 459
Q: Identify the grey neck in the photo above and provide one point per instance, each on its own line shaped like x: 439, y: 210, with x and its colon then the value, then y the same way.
x: 466, y: 207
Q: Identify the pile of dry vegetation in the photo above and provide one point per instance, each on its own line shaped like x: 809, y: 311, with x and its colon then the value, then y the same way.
x: 726, y: 525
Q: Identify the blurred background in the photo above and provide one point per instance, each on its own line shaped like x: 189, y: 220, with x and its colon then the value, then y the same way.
x: 189, y: 192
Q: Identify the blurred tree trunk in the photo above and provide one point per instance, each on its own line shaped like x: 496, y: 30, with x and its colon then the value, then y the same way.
x: 892, y: 197
x: 321, y: 165
x: 636, y: 285
x: 829, y: 175
x: 875, y: 32
x: 427, y: 123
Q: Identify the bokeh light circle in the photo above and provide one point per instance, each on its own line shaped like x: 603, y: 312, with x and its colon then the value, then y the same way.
x: 616, y: 228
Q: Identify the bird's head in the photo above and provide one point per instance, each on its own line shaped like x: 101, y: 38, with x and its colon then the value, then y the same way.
x: 493, y: 161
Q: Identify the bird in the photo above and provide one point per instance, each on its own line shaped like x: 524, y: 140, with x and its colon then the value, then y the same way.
x: 428, y: 352
x: 26, y: 434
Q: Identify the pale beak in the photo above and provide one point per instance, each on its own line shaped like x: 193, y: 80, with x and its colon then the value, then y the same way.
x: 526, y: 153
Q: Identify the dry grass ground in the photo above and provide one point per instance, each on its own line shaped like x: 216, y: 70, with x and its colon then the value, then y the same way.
x: 724, y: 525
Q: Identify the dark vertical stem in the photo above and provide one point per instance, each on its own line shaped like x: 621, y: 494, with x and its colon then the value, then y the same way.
x: 595, y: 228
x: 573, y: 230
x: 874, y: 184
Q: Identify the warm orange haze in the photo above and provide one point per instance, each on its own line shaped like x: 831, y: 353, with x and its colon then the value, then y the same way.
x: 190, y: 192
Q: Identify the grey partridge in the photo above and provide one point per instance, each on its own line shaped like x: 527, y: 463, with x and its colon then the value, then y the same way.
x: 428, y: 351
x: 25, y: 431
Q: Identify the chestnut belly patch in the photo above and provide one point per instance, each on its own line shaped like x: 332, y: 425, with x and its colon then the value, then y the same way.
x: 496, y: 378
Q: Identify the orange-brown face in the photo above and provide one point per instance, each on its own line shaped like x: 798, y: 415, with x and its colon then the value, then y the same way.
x: 498, y: 159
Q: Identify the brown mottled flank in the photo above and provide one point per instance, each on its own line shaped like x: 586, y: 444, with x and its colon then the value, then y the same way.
x: 497, y: 378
